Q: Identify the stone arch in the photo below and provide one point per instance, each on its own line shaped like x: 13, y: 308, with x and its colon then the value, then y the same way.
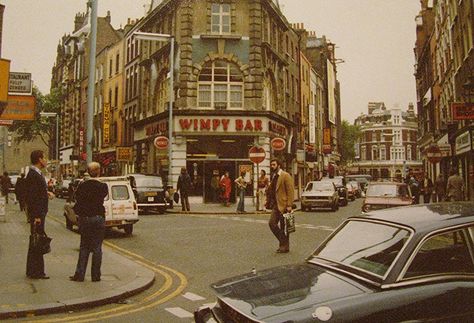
x: 231, y: 58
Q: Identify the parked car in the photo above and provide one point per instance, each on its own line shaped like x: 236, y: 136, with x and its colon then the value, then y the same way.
x: 61, y: 189
x: 381, y: 195
x: 362, y: 179
x: 320, y: 194
x: 149, y: 192
x: 351, y: 191
x: 121, y: 209
x: 358, y: 190
x: 340, y: 183
x: 412, y: 264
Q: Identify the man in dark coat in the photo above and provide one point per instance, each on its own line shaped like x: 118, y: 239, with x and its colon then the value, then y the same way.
x: 20, y: 191
x: 427, y: 189
x: 89, y: 207
x: 5, y: 184
x: 36, y: 198
x: 184, y: 187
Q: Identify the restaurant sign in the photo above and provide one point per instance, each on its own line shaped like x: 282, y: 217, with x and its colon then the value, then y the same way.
x: 462, y: 111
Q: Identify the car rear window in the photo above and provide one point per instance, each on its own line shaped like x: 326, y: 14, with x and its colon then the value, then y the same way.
x: 370, y: 247
x: 148, y: 181
x: 120, y: 192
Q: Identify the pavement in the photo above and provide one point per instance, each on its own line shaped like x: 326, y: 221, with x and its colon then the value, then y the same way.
x: 21, y: 296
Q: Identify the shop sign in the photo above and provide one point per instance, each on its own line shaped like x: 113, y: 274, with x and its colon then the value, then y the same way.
x: 81, y: 140
x: 277, y: 128
x: 19, y: 83
x: 462, y: 111
x: 161, y: 142
x: 463, y: 143
x: 327, y: 149
x: 124, y: 153
x: 4, y: 76
x: 156, y: 128
x: 106, y: 124
x: 278, y: 144
x: 327, y: 136
x: 312, y: 123
x: 20, y: 107
x: 220, y: 124
x: 433, y: 154
x: 256, y: 154
x: 106, y: 158
x: 6, y: 122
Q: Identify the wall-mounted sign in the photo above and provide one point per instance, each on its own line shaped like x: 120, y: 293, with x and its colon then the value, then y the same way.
x: 256, y: 154
x: 462, y: 111
x: 124, y: 153
x: 161, y: 142
x: 157, y: 128
x: 4, y: 76
x: 220, y: 124
x: 19, y: 83
x: 278, y: 144
x: 463, y: 143
x: 327, y: 136
x: 20, y: 107
x: 106, y: 124
x: 312, y: 123
x: 433, y: 154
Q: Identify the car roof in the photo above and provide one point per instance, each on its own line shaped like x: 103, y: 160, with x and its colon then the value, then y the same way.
x: 113, y: 179
x: 387, y: 183
x: 143, y: 175
x: 425, y: 218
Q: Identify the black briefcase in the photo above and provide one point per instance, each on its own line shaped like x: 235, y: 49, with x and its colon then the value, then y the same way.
x: 40, y: 243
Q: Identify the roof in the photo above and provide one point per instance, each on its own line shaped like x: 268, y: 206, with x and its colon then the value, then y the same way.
x: 425, y: 218
x: 387, y: 183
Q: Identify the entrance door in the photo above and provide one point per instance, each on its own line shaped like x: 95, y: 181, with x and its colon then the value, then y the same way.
x: 217, y: 168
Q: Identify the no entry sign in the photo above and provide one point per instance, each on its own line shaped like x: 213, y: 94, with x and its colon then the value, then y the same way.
x: 256, y: 154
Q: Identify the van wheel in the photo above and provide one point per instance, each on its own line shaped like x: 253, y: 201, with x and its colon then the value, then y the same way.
x: 69, y: 224
x: 161, y: 210
x: 128, y: 228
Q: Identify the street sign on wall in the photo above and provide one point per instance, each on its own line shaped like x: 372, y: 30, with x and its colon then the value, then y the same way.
x: 19, y: 83
x: 256, y: 154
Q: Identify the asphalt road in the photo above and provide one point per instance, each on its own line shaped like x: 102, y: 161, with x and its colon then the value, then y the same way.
x: 189, y: 252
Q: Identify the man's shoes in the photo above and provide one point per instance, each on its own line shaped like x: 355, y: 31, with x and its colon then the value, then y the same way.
x: 283, y: 250
x: 38, y: 277
x: 96, y: 279
x: 76, y: 279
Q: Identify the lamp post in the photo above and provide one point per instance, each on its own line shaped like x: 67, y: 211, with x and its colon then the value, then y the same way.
x: 165, y: 38
x: 54, y: 115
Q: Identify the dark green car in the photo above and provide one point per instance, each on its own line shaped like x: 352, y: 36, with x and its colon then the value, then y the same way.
x: 413, y: 263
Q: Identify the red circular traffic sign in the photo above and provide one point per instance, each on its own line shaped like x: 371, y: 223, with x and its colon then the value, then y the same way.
x: 161, y: 142
x: 256, y: 154
x: 278, y: 143
x: 433, y: 154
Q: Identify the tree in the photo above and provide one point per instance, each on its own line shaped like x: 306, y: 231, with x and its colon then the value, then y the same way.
x: 44, y: 128
x: 350, y: 135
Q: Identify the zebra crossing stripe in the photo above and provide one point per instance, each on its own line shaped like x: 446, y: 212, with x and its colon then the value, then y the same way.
x: 193, y: 297
x: 179, y: 312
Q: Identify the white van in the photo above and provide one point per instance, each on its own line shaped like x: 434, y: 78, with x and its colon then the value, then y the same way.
x: 121, y: 209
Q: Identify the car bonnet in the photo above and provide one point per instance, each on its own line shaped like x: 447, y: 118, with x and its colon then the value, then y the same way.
x: 278, y: 290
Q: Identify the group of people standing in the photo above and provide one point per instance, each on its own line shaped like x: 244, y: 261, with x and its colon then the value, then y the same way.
x: 441, y: 190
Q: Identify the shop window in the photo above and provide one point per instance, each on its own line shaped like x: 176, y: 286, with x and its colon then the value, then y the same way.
x: 220, y: 86
x: 220, y: 18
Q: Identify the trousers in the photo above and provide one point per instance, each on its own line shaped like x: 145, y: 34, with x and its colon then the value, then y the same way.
x: 277, y: 226
x: 92, y: 231
x: 35, y: 260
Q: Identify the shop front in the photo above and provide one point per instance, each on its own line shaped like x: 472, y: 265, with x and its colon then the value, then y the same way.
x: 465, y: 156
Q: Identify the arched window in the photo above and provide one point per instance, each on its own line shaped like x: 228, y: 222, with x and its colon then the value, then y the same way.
x: 220, y: 86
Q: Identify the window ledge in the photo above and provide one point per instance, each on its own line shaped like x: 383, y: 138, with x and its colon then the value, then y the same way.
x: 221, y: 36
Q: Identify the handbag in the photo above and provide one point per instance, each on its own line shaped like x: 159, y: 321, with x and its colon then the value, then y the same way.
x: 176, y: 197
x: 40, y: 243
x: 290, y: 225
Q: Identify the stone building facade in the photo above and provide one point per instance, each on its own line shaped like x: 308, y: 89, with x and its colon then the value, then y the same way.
x: 388, y: 144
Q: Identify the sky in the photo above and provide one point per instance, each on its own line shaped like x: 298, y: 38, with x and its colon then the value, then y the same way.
x: 374, y: 38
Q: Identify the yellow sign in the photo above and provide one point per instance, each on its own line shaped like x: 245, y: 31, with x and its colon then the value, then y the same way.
x: 4, y: 79
x: 106, y: 124
x: 124, y: 153
x: 20, y: 107
x: 327, y: 136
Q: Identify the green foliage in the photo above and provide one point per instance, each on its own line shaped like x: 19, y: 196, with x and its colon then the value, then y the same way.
x: 350, y: 136
x: 44, y: 128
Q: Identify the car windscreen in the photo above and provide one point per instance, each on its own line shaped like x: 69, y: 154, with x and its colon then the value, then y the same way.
x: 382, y: 190
x: 148, y: 181
x: 319, y: 186
x: 367, y: 246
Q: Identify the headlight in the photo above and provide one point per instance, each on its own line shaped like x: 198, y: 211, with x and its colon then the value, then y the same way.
x: 366, y: 208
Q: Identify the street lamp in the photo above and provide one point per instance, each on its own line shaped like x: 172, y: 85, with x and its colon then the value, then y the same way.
x: 54, y: 115
x: 165, y: 38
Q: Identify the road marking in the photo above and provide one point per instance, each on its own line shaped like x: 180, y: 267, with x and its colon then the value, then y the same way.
x: 179, y: 312
x: 193, y: 297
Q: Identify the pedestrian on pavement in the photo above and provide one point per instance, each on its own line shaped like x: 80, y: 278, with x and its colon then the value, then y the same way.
x: 415, y: 189
x: 455, y: 186
x: 226, y: 187
x: 36, y: 198
x: 440, y: 188
x: 215, y: 188
x: 427, y: 189
x: 89, y: 207
x: 280, y: 195
x: 20, y: 191
x: 184, y: 187
x: 5, y: 184
x: 241, y: 186
x: 262, y: 186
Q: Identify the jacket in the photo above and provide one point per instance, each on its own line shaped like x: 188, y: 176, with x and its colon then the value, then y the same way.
x: 90, y: 197
x: 36, y: 194
x: 285, y: 191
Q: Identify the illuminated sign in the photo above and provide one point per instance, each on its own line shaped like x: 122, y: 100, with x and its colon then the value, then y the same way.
x: 106, y: 124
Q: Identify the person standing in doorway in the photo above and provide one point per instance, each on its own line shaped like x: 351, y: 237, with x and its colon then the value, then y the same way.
x: 226, y: 187
x: 5, y: 183
x: 184, y: 187
x: 241, y: 185
x: 440, y: 188
x: 215, y: 189
x: 455, y: 187
x: 427, y: 189
x: 263, y: 183
x: 280, y: 195
x: 36, y: 198
x: 89, y: 207
x: 20, y: 191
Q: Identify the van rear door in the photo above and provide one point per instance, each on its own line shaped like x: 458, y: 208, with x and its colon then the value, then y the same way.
x: 122, y: 202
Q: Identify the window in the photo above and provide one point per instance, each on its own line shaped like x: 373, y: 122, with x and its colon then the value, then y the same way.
x: 117, y: 63
x: 409, y: 155
x: 220, y: 86
x: 442, y: 254
x: 120, y: 193
x: 110, y: 68
x: 220, y: 18
x: 162, y: 93
x: 383, y: 154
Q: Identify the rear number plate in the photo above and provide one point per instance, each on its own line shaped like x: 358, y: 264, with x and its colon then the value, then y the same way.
x: 151, y: 199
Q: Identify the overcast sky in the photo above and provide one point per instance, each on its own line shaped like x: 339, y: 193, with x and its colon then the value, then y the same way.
x: 375, y: 38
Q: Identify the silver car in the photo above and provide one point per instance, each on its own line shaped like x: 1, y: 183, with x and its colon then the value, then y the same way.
x: 320, y: 194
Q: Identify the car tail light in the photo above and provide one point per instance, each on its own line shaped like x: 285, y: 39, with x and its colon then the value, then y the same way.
x: 134, y: 205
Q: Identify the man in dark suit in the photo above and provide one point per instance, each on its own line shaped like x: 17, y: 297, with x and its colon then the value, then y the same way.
x: 36, y: 198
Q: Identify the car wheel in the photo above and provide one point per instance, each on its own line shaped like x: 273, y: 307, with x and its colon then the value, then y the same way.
x: 128, y: 228
x: 334, y: 207
x: 69, y: 224
x: 303, y: 208
x: 161, y: 210
x: 345, y: 202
